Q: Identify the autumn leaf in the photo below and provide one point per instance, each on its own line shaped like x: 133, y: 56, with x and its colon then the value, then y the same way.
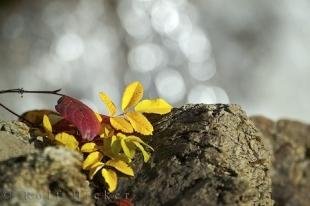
x: 122, y: 124
x: 120, y: 166
x: 124, y: 202
x: 89, y: 147
x: 108, y: 102
x: 106, y: 131
x: 125, y: 148
x: 98, y: 116
x: 156, y: 106
x: 94, y: 169
x: 132, y: 95
x: 35, y: 117
x: 140, y: 123
x: 47, y: 124
x: 91, y: 159
x: 110, y: 178
x: 132, y: 138
x: 146, y: 155
x: 67, y: 140
x: 80, y: 115
x: 136, y: 142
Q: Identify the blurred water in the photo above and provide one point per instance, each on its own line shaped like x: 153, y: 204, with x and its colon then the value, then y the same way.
x: 253, y: 53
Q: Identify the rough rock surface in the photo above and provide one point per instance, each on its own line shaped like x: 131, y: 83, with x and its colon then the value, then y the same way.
x: 14, y: 138
x: 48, y: 177
x: 290, y: 141
x: 204, y: 155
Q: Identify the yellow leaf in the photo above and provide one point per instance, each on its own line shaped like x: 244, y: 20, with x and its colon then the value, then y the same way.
x: 140, y: 123
x: 132, y: 149
x: 132, y: 95
x: 47, y: 124
x: 121, y: 166
x: 94, y: 169
x: 106, y: 131
x: 91, y: 159
x: 98, y: 117
x: 108, y: 103
x: 110, y: 177
x: 120, y: 123
x: 146, y: 155
x: 35, y: 117
x: 89, y: 147
x: 67, y: 140
x: 156, y: 106
x: 126, y: 149
x: 132, y: 138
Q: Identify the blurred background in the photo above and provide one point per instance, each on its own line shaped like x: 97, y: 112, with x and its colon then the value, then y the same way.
x: 253, y: 53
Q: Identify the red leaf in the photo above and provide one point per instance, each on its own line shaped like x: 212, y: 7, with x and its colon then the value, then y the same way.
x: 124, y: 202
x: 80, y: 115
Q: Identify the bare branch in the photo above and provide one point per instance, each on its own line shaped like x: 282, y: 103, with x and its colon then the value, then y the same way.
x: 22, y: 91
x: 17, y: 115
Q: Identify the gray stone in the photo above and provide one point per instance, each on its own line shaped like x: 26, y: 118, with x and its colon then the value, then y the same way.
x: 49, y: 177
x: 14, y: 138
x: 290, y: 141
x: 204, y: 155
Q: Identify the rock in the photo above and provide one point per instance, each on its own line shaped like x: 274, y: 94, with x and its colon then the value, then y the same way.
x: 15, y: 128
x: 204, y: 155
x: 290, y: 141
x: 49, y: 177
x: 14, y: 138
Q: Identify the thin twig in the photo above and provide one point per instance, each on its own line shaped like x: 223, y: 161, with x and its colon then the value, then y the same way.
x: 17, y: 115
x: 22, y: 91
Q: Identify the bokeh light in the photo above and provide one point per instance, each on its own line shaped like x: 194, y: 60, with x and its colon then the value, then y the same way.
x: 170, y: 85
x: 69, y: 47
x: 184, y: 51
x: 165, y: 17
x: 145, y: 57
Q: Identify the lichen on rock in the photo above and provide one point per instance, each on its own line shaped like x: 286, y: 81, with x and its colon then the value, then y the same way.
x: 15, y: 140
x: 49, y: 177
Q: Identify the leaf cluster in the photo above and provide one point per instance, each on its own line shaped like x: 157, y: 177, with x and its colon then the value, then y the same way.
x: 110, y: 141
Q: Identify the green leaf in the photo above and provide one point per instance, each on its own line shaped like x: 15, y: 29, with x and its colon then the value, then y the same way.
x: 115, y: 145
x: 146, y: 155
